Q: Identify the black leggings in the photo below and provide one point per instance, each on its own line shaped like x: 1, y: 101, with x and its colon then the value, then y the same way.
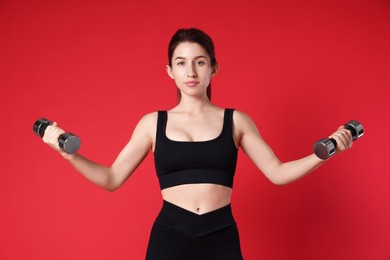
x: 179, y: 234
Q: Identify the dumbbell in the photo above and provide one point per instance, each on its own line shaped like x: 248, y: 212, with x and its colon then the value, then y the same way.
x: 68, y: 142
x: 325, y: 147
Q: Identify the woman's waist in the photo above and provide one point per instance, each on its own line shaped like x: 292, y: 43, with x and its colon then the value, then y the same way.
x: 198, y: 198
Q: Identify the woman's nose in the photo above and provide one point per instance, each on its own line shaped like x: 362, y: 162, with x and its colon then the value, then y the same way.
x: 191, y: 73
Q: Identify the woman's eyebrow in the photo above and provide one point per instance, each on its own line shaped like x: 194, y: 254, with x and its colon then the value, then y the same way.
x: 197, y: 57
x: 200, y: 56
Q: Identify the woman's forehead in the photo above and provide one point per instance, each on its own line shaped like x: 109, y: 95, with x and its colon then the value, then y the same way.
x: 189, y: 50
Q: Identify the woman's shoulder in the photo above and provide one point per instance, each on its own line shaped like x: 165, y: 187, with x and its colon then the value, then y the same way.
x: 151, y: 117
x: 240, y: 116
x: 148, y: 121
x: 242, y: 122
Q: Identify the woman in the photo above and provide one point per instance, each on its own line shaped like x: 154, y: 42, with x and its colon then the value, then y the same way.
x: 195, y: 149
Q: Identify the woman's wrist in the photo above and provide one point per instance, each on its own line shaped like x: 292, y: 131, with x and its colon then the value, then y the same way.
x: 68, y: 157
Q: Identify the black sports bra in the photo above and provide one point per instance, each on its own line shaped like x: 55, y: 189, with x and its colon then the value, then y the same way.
x: 185, y: 162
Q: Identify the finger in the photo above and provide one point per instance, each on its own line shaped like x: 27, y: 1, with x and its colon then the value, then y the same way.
x: 55, y: 131
x: 49, y: 132
x: 349, y: 138
x: 341, y: 143
x: 346, y: 137
x: 52, y: 133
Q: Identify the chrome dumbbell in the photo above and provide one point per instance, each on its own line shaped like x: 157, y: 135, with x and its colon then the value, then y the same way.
x: 325, y: 147
x: 68, y: 142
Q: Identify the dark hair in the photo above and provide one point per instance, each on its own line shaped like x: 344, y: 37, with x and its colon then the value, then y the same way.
x: 196, y: 36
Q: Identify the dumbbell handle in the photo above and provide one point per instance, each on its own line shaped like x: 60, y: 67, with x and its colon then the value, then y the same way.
x: 68, y: 142
x: 325, y: 147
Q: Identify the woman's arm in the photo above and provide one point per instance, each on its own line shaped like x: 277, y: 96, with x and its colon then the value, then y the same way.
x: 249, y: 139
x: 111, y: 178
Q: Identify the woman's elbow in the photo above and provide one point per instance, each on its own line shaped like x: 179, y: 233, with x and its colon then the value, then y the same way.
x: 279, y: 181
x: 110, y: 189
x: 275, y: 175
x: 111, y: 184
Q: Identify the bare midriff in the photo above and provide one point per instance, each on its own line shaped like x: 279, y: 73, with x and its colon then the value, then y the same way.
x: 198, y: 198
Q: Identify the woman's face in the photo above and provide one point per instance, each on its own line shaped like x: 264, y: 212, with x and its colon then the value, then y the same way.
x: 191, y: 69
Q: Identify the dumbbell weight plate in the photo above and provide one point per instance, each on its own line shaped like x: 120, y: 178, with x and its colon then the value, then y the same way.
x: 40, y: 126
x: 324, y: 148
x: 356, y: 129
x: 69, y: 142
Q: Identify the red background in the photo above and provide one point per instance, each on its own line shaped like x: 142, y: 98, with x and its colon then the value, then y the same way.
x: 298, y: 68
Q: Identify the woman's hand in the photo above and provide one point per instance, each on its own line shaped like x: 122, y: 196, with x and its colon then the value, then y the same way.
x: 343, y: 138
x: 52, y: 133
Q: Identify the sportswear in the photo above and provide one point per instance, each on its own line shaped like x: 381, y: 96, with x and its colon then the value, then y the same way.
x: 179, y: 234
x: 185, y: 162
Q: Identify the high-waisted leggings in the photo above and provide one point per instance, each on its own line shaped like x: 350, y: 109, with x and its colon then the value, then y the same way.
x: 179, y: 234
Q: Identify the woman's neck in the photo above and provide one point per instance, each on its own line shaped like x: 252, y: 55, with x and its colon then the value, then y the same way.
x: 193, y: 104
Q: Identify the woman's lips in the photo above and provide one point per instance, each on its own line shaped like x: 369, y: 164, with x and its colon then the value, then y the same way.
x: 192, y: 83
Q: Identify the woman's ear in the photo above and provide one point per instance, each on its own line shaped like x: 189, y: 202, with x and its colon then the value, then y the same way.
x: 215, y: 70
x: 169, y: 71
